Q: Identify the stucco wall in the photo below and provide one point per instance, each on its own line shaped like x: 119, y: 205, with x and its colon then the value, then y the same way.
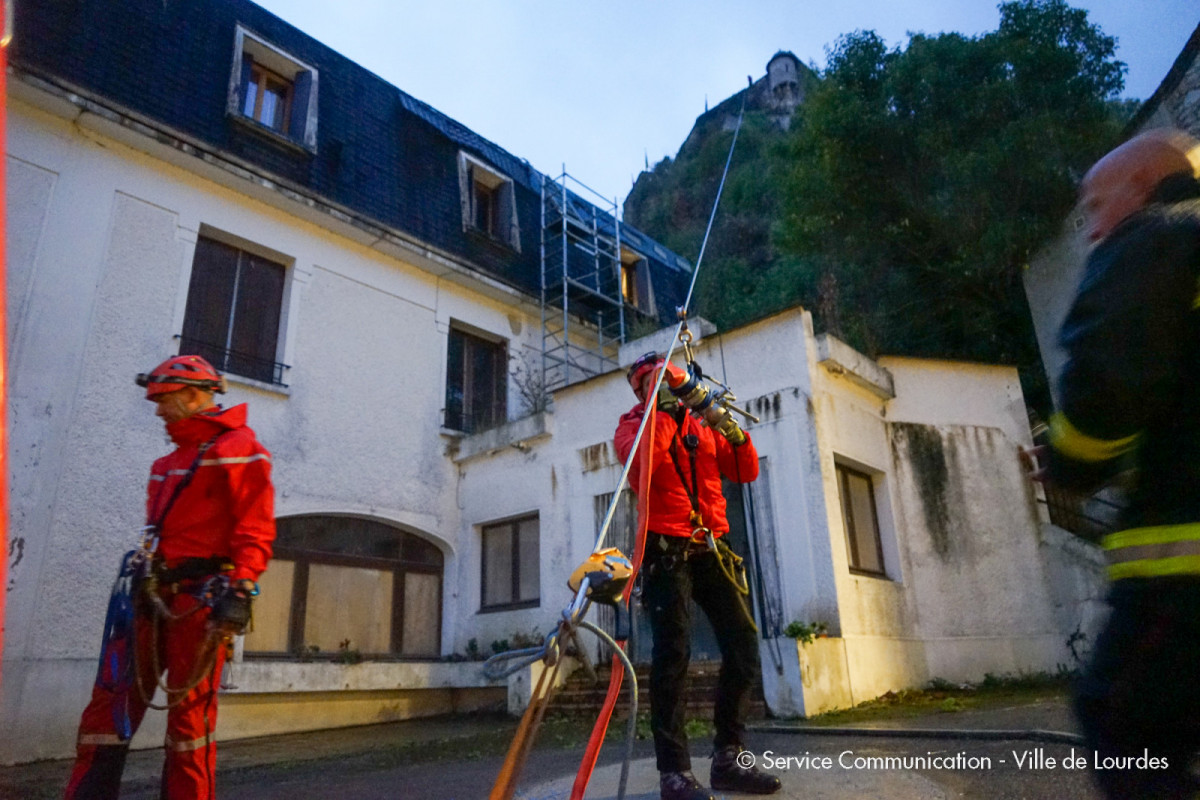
x: 101, y: 252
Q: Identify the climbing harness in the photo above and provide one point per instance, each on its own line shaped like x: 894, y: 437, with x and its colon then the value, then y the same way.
x: 136, y: 591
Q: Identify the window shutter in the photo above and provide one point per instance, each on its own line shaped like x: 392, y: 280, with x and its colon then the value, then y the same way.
x: 465, y: 190
x: 255, y: 334
x: 302, y: 91
x: 247, y: 66
x: 472, y: 200
x: 508, y: 216
x: 645, y: 289
x: 210, y: 300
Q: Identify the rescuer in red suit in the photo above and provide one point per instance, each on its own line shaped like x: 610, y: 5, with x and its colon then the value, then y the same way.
x: 681, y: 565
x: 211, y: 505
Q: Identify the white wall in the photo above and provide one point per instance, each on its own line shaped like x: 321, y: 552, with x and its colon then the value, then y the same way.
x: 100, y: 251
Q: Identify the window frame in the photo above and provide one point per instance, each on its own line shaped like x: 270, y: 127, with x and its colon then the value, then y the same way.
x: 849, y: 521
x: 303, y: 559
x: 261, y: 77
x: 503, y: 226
x: 222, y: 355
x: 300, y: 117
x: 473, y: 338
x: 637, y: 287
x: 514, y: 524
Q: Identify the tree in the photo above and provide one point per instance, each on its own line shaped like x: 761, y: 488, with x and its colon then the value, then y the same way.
x: 924, y: 177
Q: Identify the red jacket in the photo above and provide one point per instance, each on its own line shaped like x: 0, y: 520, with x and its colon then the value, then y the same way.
x: 670, y: 506
x: 228, y: 508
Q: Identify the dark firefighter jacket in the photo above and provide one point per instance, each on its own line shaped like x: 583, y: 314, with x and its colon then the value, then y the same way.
x: 1130, y: 393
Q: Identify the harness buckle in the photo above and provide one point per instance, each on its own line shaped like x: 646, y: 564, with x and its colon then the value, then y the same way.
x: 149, y: 541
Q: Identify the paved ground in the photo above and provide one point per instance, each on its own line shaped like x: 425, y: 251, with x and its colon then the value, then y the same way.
x: 970, y: 754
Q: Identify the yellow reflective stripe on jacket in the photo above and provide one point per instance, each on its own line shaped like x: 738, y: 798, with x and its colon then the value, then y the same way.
x: 102, y: 739
x: 1071, y: 442
x: 1154, y: 552
x: 213, y: 462
x: 194, y: 744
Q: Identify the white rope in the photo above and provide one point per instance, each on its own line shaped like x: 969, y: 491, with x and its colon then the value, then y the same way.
x: 650, y: 397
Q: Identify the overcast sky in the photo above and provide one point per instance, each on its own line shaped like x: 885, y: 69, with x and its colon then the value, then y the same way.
x: 604, y: 87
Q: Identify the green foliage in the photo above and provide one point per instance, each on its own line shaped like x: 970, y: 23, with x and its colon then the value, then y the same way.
x: 950, y: 705
x: 348, y: 655
x: 936, y: 171
x: 805, y: 632
x: 912, y: 189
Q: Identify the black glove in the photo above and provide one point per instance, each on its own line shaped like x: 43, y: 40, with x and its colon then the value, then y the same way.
x: 231, y: 609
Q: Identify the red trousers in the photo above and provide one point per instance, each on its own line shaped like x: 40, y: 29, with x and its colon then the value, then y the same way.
x: 186, y: 652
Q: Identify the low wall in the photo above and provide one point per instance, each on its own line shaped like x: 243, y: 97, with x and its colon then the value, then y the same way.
x: 43, y: 700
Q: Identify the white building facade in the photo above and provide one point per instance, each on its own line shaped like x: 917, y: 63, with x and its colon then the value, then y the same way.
x: 891, y: 507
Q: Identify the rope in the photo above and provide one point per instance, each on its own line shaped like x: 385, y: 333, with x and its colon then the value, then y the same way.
x: 621, y: 482
x: 631, y: 725
x: 573, y: 615
x: 531, y: 720
x: 203, y: 668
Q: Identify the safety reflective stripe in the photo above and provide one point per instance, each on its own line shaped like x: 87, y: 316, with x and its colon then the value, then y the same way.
x: 169, y: 472
x: 194, y: 744
x: 212, y: 462
x: 102, y: 739
x: 1073, y: 443
x: 1154, y: 552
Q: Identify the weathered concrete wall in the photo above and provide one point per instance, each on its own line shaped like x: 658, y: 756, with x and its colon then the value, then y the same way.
x: 977, y: 586
x: 966, y: 588
x: 1078, y: 584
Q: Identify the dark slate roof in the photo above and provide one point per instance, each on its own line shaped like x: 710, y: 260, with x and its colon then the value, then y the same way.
x: 380, y: 152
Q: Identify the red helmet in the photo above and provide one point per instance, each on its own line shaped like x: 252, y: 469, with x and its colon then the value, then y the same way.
x: 644, y: 364
x: 178, y: 372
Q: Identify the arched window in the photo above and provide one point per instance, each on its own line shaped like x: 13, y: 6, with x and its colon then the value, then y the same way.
x: 346, y: 587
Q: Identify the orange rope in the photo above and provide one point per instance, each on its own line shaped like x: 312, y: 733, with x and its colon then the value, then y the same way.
x: 518, y: 751
x: 617, y: 671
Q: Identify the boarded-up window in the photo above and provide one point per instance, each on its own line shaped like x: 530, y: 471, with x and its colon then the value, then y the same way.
x: 863, y: 547
x: 342, y: 585
x: 511, y: 573
x: 234, y: 303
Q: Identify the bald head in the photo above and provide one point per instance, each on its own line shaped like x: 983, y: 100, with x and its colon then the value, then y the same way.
x: 1122, y: 182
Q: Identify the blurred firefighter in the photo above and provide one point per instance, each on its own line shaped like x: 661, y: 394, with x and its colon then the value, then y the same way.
x: 1128, y: 405
x: 686, y: 559
x: 210, y: 525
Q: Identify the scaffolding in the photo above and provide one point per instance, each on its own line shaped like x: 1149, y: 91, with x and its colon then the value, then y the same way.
x: 584, y: 314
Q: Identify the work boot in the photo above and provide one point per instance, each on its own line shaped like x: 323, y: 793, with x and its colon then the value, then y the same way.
x: 731, y: 774
x: 681, y: 786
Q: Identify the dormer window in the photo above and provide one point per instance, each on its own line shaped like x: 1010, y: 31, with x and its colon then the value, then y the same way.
x: 485, y: 207
x: 272, y: 91
x: 488, y: 202
x: 268, y: 98
x: 636, y: 288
